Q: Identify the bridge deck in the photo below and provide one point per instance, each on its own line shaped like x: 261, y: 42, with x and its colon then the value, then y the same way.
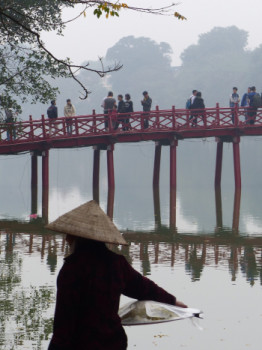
x: 90, y: 130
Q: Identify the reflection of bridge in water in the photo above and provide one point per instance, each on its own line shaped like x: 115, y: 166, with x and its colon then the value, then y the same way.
x: 165, y: 245
x: 35, y: 220
x: 166, y: 128
x: 222, y: 249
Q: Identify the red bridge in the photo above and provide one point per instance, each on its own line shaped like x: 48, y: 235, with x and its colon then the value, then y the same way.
x: 166, y: 128
x: 90, y: 130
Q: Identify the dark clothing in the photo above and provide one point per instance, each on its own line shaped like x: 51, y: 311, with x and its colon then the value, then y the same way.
x: 124, y: 107
x: 52, y: 116
x: 121, y: 107
x: 245, y: 101
x: 129, y: 106
x: 128, y: 109
x: 52, y: 112
x: 252, y: 111
x: 146, y: 103
x: 197, y: 104
x: 89, y: 286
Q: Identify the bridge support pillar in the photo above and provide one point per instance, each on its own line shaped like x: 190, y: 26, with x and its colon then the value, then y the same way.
x: 34, y: 182
x: 236, y: 156
x: 173, y: 146
x: 45, y: 184
x: 110, y: 167
x: 156, y: 174
x: 219, y: 158
x: 96, y: 173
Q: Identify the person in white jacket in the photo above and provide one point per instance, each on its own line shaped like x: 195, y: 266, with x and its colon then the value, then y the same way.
x: 69, y: 112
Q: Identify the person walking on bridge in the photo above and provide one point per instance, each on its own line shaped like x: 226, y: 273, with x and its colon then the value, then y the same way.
x: 146, y: 103
x: 69, y: 112
x: 234, y: 103
x: 253, y: 97
x: 52, y: 114
x: 190, y: 100
x: 245, y: 102
x: 197, y: 105
x: 128, y: 109
x: 91, y: 281
x: 109, y: 105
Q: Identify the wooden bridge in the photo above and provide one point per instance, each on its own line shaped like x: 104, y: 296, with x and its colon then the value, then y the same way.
x: 90, y: 130
x: 166, y: 128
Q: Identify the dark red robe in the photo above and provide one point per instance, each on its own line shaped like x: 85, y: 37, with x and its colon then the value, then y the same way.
x: 89, y: 286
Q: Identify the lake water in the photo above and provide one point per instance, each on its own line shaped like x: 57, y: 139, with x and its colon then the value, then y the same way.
x: 211, y: 259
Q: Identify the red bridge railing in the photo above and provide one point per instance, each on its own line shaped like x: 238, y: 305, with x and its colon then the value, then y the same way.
x: 159, y: 121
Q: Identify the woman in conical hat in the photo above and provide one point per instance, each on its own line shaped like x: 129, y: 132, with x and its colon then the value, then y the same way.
x: 91, y: 282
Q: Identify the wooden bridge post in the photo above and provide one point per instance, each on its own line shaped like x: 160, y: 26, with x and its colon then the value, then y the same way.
x: 173, y: 117
x: 236, y: 156
x: 173, y: 146
x: 110, y: 167
x: 156, y: 173
x: 96, y: 173
x: 45, y: 184
x: 219, y: 158
x: 157, y: 123
x: 94, y: 122
x: 236, y: 117
x: 217, y: 114
x: 75, y: 120
x: 34, y: 183
x: 43, y: 126
x: 31, y: 127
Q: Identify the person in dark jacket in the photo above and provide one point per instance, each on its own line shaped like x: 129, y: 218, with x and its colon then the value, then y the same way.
x: 197, y: 105
x: 128, y: 109
x: 91, y: 281
x: 120, y: 109
x: 52, y: 115
x: 146, y: 103
x: 252, y: 109
x: 245, y: 102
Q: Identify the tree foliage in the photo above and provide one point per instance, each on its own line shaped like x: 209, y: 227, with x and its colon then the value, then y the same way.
x: 146, y: 66
x: 25, y: 60
x: 219, y: 61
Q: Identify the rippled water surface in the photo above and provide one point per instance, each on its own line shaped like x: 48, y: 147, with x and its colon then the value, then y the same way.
x: 211, y: 258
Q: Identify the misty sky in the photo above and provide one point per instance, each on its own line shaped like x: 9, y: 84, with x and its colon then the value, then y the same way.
x: 87, y: 38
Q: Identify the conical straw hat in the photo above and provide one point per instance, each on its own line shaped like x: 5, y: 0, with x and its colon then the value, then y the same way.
x: 88, y: 221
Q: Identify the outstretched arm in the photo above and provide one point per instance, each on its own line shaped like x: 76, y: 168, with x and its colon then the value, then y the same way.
x: 142, y: 288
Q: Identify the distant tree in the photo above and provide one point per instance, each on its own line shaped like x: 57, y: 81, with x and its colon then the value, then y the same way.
x: 146, y: 66
x: 25, y: 60
x: 214, y: 65
x: 255, y: 69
